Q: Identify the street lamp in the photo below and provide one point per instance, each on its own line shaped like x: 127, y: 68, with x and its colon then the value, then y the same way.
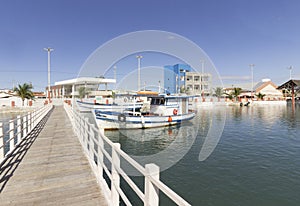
x: 139, y: 71
x: 290, y: 68
x: 115, y: 76
x: 251, y: 67
x: 202, y: 77
x: 49, y: 50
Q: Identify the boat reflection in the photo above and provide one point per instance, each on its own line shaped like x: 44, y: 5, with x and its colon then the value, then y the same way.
x: 161, y: 146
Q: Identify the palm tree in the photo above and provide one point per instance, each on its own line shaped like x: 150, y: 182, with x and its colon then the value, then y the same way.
x: 260, y: 96
x: 236, y: 92
x: 82, y: 92
x: 24, y: 92
x: 218, y: 92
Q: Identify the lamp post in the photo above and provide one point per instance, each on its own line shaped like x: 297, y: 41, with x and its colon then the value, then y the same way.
x: 115, y: 76
x: 251, y: 67
x: 290, y: 68
x: 49, y: 50
x: 139, y: 71
x: 202, y: 74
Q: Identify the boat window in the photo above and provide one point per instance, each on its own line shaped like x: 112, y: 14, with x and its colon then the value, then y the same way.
x: 157, y: 101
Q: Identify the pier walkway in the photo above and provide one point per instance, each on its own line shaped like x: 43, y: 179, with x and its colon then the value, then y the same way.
x: 49, y: 168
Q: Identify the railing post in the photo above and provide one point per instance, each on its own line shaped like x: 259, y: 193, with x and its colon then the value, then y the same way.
x: 19, y: 122
x: 92, y: 142
x: 86, y: 134
x: 29, y: 121
x: 151, y: 191
x: 32, y: 119
x: 115, y: 182
x: 100, y: 155
x: 11, y: 135
x: 24, y: 126
x: 77, y: 127
x: 1, y: 143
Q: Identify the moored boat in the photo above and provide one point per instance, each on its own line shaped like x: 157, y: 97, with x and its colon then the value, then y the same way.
x: 89, y: 106
x: 164, y: 110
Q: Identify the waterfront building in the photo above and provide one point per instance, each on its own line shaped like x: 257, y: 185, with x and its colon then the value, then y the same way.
x: 181, y: 78
x: 198, y: 83
x: 269, y: 89
x: 70, y: 87
x: 174, y: 77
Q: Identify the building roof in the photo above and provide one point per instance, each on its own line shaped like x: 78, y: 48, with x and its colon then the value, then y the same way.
x: 290, y: 84
x: 5, y: 95
x: 259, y: 86
x: 86, y: 80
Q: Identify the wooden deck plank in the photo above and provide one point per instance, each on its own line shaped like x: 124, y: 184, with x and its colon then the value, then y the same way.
x: 54, y: 170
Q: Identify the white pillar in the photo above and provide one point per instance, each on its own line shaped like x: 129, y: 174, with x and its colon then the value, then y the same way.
x: 63, y: 92
x: 19, y: 122
x: 11, y: 135
x: 115, y: 181
x: 1, y: 143
x: 151, y: 191
x: 24, y: 126
x: 73, y: 95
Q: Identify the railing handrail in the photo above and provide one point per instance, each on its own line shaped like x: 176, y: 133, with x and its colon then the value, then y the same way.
x: 90, y: 138
x: 19, y: 128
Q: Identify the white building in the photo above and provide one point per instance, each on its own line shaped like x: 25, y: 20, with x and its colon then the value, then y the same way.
x: 198, y: 83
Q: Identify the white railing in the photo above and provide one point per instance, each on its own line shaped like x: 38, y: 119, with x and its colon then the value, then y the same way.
x: 18, y: 129
x: 93, y: 140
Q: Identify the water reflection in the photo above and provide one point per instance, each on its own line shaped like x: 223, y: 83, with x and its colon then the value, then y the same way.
x: 162, y: 146
x: 255, y: 162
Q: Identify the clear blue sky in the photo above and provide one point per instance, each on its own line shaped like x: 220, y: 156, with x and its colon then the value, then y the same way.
x: 234, y: 34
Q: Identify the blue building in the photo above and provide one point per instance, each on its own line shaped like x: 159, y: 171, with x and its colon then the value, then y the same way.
x: 174, y: 77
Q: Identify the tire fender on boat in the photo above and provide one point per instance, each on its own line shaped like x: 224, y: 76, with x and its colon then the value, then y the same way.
x: 175, y: 111
x: 122, y: 117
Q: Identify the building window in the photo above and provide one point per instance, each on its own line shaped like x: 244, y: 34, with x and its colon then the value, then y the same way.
x: 196, y: 87
x: 196, y: 78
x: 205, y: 78
x: 189, y: 78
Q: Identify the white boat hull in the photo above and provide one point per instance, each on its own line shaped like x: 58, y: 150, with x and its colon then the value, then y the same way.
x: 86, y: 106
x: 117, y: 120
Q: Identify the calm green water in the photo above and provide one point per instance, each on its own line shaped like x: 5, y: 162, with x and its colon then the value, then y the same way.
x: 256, y: 161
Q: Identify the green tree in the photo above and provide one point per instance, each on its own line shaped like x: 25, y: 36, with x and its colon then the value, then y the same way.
x: 82, y: 91
x: 182, y: 89
x: 260, y: 96
x: 24, y: 92
x: 218, y: 92
x: 236, y: 92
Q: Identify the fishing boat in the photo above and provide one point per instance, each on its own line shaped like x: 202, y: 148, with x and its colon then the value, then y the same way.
x: 165, y: 110
x: 108, y: 104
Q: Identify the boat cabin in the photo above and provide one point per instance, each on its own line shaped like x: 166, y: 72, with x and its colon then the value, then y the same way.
x: 165, y: 105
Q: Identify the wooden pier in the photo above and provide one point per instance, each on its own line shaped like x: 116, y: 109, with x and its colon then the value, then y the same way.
x: 49, y: 168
